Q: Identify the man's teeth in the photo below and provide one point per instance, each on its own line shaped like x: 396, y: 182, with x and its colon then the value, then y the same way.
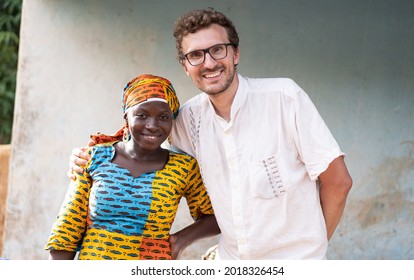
x: 212, y: 75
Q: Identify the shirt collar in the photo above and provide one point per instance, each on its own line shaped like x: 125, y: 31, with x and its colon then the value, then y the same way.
x: 239, y: 99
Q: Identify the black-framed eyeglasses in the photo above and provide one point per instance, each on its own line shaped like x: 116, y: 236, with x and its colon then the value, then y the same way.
x: 217, y: 52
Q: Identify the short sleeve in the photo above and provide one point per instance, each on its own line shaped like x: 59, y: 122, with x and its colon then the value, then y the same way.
x: 315, y: 143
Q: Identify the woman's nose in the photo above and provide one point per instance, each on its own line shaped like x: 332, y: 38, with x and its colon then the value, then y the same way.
x: 152, y: 123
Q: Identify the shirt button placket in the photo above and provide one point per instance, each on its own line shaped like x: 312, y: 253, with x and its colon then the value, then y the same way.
x: 236, y: 191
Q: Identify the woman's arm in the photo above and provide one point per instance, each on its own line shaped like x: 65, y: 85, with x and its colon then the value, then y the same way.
x: 204, y: 227
x: 61, y: 255
x: 69, y: 227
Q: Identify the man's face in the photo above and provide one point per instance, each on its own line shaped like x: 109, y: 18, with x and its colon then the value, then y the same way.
x: 212, y: 76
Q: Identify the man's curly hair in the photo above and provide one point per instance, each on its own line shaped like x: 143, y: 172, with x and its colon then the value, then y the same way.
x: 196, y: 20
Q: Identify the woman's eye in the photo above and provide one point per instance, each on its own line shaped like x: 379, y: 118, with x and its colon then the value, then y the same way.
x: 141, y: 116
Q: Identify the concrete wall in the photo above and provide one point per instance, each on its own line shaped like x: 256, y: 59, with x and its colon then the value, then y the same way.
x: 4, y: 176
x: 355, y: 59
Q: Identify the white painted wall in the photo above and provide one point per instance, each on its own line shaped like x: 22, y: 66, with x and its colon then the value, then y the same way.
x: 354, y: 58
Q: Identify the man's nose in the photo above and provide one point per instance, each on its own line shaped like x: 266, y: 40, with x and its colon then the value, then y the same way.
x: 209, y: 61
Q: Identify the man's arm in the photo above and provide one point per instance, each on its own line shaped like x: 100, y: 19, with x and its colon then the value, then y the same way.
x: 335, y: 184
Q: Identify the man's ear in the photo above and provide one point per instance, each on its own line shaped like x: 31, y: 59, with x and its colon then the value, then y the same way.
x: 236, y: 56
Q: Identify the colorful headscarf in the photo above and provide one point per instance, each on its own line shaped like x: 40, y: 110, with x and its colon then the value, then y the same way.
x: 141, y: 89
x: 147, y: 86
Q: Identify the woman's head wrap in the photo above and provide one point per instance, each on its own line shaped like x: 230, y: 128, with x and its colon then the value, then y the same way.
x: 144, y: 88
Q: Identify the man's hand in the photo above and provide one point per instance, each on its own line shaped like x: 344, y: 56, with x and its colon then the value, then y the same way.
x: 77, y: 159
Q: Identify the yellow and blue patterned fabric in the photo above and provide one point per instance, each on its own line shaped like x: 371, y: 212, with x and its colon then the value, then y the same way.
x: 109, y: 214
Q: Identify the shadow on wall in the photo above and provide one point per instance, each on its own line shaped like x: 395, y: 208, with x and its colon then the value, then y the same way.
x: 4, y: 175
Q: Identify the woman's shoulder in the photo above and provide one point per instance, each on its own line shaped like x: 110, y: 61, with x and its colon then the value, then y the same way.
x: 181, y: 156
x: 103, y: 146
x: 104, y: 149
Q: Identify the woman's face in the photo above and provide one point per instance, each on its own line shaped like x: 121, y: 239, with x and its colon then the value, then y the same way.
x: 150, y: 124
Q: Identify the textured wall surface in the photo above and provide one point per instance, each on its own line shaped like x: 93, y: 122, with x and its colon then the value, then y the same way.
x: 4, y: 175
x: 354, y: 58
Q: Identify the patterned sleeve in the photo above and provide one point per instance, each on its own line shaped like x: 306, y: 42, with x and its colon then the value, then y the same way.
x: 196, y: 194
x: 70, y: 225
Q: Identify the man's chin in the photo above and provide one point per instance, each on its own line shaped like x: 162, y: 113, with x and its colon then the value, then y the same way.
x: 212, y: 89
x: 212, y: 92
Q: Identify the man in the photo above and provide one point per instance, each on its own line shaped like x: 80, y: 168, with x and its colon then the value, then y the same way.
x: 275, y: 174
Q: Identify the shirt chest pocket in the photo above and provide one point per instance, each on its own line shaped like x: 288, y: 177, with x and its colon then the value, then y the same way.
x: 268, y: 178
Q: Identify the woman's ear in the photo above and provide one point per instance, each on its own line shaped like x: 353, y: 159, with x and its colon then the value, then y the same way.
x: 126, y: 135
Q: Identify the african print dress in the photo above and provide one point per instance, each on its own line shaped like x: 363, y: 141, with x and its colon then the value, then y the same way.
x: 109, y: 214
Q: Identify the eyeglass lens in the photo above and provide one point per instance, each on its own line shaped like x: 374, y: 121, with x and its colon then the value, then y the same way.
x: 216, y: 52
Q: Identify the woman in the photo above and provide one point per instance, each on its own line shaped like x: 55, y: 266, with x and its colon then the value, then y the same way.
x: 122, y: 206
